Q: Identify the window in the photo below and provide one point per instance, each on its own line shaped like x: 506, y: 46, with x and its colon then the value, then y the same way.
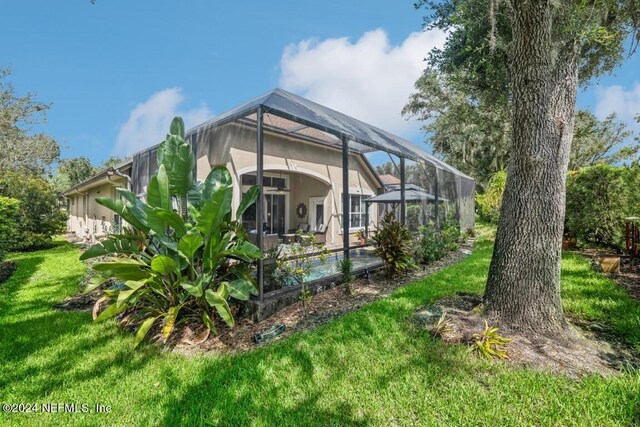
x: 267, y: 181
x: 358, y: 210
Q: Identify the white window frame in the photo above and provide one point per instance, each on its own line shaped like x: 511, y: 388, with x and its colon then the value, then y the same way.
x: 361, y: 192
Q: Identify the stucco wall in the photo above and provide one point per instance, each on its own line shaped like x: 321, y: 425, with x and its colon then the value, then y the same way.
x: 91, y: 219
x: 315, y: 170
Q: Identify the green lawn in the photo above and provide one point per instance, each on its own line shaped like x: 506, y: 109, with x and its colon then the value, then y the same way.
x: 369, y: 368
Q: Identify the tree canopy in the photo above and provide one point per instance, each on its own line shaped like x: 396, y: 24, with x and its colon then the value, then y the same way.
x: 464, y: 95
x: 20, y: 148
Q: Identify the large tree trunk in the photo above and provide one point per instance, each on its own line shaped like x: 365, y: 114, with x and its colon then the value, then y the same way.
x: 523, y: 287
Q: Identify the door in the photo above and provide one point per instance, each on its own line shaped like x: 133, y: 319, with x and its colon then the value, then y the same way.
x: 316, y: 213
x: 276, y: 204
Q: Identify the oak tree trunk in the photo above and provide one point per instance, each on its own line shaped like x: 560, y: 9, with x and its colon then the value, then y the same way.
x: 523, y: 287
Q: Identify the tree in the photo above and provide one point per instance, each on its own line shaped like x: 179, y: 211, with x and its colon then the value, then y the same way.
x: 474, y: 135
x: 111, y: 161
x: 20, y: 149
x: 549, y: 48
x: 77, y: 169
x: 599, y: 141
x: 39, y: 216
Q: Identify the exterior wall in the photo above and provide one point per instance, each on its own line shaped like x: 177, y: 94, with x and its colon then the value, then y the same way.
x: 87, y: 218
x: 315, y: 170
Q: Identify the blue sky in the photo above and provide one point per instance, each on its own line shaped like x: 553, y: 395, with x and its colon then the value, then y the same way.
x: 117, y: 70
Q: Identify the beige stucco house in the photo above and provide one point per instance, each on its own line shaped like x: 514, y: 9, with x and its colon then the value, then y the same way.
x: 87, y: 219
x: 303, y: 148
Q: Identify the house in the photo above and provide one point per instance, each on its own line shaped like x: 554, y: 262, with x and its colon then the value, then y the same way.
x: 302, y: 160
x: 314, y: 166
x: 87, y: 219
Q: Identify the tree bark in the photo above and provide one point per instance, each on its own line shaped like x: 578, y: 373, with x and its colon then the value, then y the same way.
x: 523, y: 287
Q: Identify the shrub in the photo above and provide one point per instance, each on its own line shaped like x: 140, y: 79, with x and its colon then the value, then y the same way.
x: 392, y: 243
x: 345, y: 266
x: 40, y: 216
x: 175, y: 267
x: 490, y: 201
x: 430, y: 246
x: 9, y: 212
x: 489, y: 343
x: 450, y: 232
x: 597, y: 203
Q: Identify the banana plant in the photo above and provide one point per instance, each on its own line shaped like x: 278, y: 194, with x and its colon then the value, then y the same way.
x: 176, y: 266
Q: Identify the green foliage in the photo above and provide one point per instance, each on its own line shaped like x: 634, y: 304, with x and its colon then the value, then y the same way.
x: 21, y: 150
x: 71, y: 172
x: 392, y: 243
x: 432, y: 245
x: 176, y: 268
x: 600, y: 141
x: 9, y: 212
x: 294, y: 264
x: 464, y: 95
x: 489, y: 343
x: 40, y: 216
x: 305, y: 298
x: 345, y: 266
x: 598, y: 200
x: 490, y: 202
x: 429, y: 246
x: 154, y: 387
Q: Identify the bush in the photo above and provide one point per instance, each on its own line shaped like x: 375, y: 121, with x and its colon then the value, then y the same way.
x: 9, y: 212
x: 392, y: 243
x: 490, y: 201
x: 597, y: 203
x: 432, y: 246
x: 174, y: 268
x: 39, y: 217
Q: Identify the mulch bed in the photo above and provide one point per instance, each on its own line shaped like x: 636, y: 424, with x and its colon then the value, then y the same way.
x: 629, y: 275
x: 6, y: 270
x: 324, y: 307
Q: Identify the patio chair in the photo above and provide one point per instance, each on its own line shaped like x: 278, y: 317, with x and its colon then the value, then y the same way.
x: 321, y: 234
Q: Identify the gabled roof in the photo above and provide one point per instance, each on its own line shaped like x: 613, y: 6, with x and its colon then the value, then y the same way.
x: 304, y: 114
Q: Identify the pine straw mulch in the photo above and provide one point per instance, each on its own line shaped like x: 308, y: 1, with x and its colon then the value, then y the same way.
x: 324, y: 307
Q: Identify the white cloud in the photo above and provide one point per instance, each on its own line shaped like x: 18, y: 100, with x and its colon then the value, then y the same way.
x: 149, y: 121
x: 616, y: 99
x: 370, y: 79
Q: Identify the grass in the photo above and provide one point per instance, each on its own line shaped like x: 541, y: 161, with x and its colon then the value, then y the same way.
x: 370, y: 367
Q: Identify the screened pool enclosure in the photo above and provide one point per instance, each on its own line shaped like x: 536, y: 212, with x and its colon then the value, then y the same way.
x: 317, y: 173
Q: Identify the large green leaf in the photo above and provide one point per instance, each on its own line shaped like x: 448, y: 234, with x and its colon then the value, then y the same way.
x: 143, y: 330
x: 244, y: 251
x: 109, y: 312
x: 112, y: 245
x: 175, y: 154
x: 241, y: 289
x: 216, y: 301
x: 132, y: 216
x: 158, y: 195
x: 164, y: 265
x: 123, y: 269
x: 248, y: 199
x: 173, y: 220
x: 177, y: 127
x: 195, y: 290
x: 190, y: 243
x: 219, y: 178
